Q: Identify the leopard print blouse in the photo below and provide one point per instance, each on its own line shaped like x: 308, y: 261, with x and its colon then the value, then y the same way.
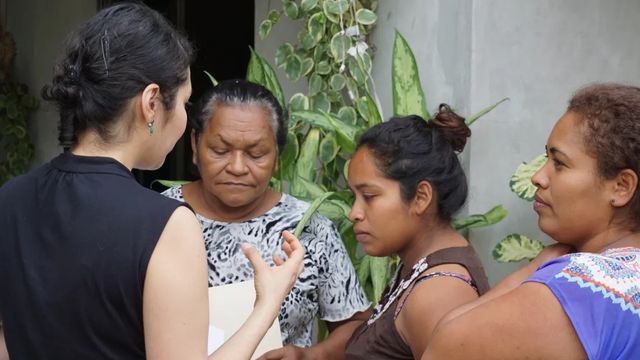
x: 327, y: 287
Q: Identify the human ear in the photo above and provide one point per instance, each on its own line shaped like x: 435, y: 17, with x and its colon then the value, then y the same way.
x: 150, y: 100
x: 194, y: 147
x: 624, y: 187
x: 422, y: 199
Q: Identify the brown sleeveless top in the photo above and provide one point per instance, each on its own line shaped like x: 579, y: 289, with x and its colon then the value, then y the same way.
x: 379, y: 339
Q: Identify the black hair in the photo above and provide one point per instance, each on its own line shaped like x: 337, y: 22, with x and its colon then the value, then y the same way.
x: 109, y: 60
x: 239, y: 92
x: 410, y: 150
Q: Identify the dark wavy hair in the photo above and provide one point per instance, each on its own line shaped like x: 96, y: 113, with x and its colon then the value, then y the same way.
x: 610, y: 119
x: 109, y: 60
x: 410, y: 150
x: 239, y: 92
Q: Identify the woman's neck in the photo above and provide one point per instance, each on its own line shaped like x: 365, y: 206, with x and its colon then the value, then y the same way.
x: 211, y: 207
x: 90, y: 144
x: 434, y: 237
x: 610, y: 239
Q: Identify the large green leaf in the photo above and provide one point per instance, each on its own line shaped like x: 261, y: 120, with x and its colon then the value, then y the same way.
x: 305, y: 189
x: 290, y: 151
x: 313, y: 118
x: 408, y: 97
x: 306, y: 164
x: 307, y: 214
x: 516, y: 247
x: 493, y: 216
x: 347, y: 134
x: 380, y: 267
x: 520, y: 182
x: 265, y: 77
x: 470, y: 120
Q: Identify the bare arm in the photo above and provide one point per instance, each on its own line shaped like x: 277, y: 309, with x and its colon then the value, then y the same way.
x: 525, y: 323
x: 175, y: 303
x: 426, y: 305
x: 333, y: 347
x: 4, y: 354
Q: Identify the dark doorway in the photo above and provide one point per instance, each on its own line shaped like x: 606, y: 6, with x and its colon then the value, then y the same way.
x: 222, y: 32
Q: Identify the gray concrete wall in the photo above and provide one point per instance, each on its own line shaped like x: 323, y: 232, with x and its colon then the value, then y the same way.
x: 473, y: 53
x: 39, y: 28
x: 537, y: 53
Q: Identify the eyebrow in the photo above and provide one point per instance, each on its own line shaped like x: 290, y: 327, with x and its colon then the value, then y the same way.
x: 361, y: 186
x: 554, y: 150
x: 229, y: 143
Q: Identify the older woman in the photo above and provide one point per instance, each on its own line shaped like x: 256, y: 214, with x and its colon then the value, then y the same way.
x: 239, y: 131
x: 585, y: 304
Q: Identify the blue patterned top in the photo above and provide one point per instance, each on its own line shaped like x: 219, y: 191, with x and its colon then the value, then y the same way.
x: 600, y: 293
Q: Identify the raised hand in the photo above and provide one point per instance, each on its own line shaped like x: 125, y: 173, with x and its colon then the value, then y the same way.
x: 272, y: 284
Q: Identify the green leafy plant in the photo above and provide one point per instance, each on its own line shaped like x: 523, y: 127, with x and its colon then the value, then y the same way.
x: 332, y: 53
x: 16, y: 149
x: 517, y: 247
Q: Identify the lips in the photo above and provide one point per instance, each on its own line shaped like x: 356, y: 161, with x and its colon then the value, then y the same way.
x: 539, y: 203
x: 361, y: 235
x: 234, y: 183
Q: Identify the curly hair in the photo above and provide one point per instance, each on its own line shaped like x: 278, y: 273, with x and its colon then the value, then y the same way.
x: 610, y: 119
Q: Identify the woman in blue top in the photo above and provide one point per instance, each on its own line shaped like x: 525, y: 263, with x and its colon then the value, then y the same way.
x: 584, y: 304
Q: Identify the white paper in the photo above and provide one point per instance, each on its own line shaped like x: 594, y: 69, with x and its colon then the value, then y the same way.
x: 230, y: 305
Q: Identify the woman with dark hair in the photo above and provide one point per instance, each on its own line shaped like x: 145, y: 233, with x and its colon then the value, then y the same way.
x: 93, y: 265
x: 584, y: 304
x: 408, y: 183
x: 238, y: 132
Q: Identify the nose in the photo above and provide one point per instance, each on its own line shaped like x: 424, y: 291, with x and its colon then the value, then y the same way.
x: 540, y: 178
x: 237, y: 165
x: 356, y: 214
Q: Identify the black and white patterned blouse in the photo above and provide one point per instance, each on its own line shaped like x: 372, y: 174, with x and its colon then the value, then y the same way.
x: 327, y: 287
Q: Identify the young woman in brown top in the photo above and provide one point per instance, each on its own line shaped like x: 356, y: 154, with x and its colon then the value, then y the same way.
x: 408, y: 183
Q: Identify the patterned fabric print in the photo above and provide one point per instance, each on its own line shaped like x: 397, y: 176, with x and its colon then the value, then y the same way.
x: 615, y: 274
x: 328, y: 286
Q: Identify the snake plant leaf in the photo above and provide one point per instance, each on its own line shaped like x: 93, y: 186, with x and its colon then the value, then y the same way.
x: 298, y: 102
x: 307, y: 66
x: 291, y: 9
x: 337, y: 82
x: 169, y: 183
x: 310, y: 211
x: 313, y: 118
x: 520, y: 182
x: 470, y: 120
x: 348, y: 115
x: 316, y: 26
x: 493, y: 216
x: 308, y: 5
x: 213, y: 80
x: 290, y: 151
x: 332, y: 210
x: 366, y: 17
x: 379, y: 274
x: 368, y: 110
x: 339, y: 45
x: 320, y: 102
x: 408, y: 97
x: 347, y: 134
x: 265, y: 28
x: 282, y: 53
x: 328, y: 148
x: 306, y: 163
x: 516, y: 247
x: 266, y: 77
x: 305, y: 189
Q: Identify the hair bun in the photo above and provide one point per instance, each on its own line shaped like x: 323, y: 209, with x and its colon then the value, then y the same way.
x: 452, y: 126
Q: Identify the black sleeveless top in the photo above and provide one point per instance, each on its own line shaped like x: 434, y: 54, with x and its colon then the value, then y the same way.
x: 76, y: 236
x: 381, y: 339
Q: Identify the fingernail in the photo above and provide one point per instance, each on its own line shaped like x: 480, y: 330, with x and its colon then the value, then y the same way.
x: 245, y: 246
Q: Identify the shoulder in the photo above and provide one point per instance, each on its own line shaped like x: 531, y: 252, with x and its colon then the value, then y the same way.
x: 174, y: 192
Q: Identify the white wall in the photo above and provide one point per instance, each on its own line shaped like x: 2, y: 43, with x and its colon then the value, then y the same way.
x: 39, y: 28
